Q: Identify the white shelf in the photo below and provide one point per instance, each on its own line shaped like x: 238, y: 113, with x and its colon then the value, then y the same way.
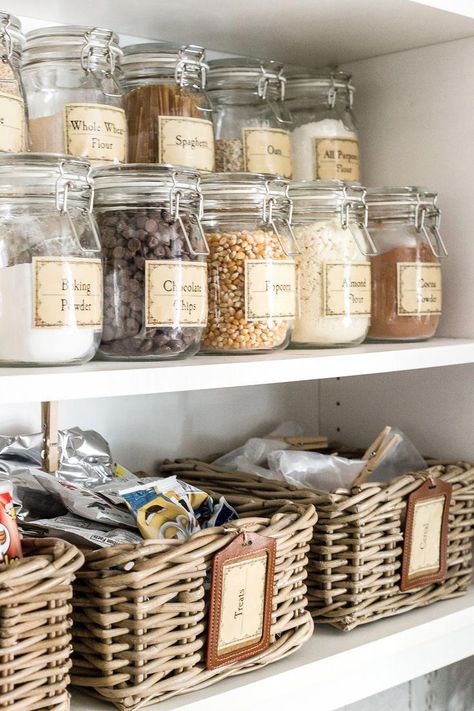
x: 301, y: 31
x: 106, y: 379
x: 336, y: 668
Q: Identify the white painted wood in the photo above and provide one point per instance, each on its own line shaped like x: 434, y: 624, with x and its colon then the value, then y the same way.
x: 414, y: 111
x: 435, y: 408
x: 106, y: 379
x: 301, y: 31
x: 336, y: 668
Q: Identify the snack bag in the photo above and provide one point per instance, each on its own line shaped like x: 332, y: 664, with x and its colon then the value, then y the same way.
x: 10, y: 542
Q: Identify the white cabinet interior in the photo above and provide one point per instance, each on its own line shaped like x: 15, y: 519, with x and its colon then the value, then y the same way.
x: 414, y: 102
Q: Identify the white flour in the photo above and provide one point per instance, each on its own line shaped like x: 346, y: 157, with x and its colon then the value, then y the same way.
x: 302, y: 144
x: 20, y: 343
x: 321, y: 242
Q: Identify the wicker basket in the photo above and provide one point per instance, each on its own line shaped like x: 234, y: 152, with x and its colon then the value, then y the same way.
x: 35, y: 622
x: 355, y: 557
x: 140, y: 610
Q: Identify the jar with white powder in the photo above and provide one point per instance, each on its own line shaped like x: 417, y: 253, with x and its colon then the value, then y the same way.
x: 251, y: 123
x: 324, y: 137
x: 71, y: 77
x: 334, y: 273
x: 50, y: 262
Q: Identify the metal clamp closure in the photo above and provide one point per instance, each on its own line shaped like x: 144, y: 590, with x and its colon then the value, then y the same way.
x: 437, y: 244
x: 333, y: 91
x: 191, y: 62
x: 98, y: 45
x: 6, y: 39
x: 64, y: 184
x: 270, y: 203
x: 175, y: 196
x: 367, y: 247
x: 271, y: 79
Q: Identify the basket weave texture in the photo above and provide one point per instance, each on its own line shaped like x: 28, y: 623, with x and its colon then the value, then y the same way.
x: 140, y: 610
x: 356, y: 552
x: 35, y: 622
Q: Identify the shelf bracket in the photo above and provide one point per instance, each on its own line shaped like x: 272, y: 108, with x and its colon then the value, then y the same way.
x: 49, y: 429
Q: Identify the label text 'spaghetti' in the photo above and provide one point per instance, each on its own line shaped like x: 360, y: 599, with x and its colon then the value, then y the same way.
x: 186, y: 141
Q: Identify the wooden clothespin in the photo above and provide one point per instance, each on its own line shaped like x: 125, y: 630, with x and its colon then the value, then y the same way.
x: 374, y: 454
x: 49, y: 428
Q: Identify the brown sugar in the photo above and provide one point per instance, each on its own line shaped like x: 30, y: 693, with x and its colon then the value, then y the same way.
x: 386, y: 323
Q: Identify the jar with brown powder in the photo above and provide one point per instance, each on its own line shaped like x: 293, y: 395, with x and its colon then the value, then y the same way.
x: 406, y: 273
x: 73, y: 94
x: 169, y: 119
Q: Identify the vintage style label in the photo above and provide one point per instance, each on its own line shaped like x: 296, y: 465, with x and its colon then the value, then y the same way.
x: 175, y: 293
x: 67, y: 292
x: 426, y: 535
x: 12, y: 123
x: 241, y: 599
x: 267, y: 150
x: 96, y: 132
x: 270, y: 289
x: 335, y: 159
x: 418, y: 288
x: 346, y: 289
x: 186, y: 141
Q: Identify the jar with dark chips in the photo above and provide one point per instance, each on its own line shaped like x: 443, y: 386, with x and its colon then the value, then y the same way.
x: 155, y: 270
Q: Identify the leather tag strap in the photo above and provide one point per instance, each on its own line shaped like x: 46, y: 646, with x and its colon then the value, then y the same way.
x: 240, y: 610
x: 425, y: 547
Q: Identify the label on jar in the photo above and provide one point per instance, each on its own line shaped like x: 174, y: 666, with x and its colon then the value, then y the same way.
x: 267, y: 150
x: 12, y: 123
x: 346, y: 289
x: 96, y: 132
x: 175, y: 293
x: 186, y: 141
x: 270, y: 289
x: 67, y: 291
x: 418, y: 289
x: 335, y: 159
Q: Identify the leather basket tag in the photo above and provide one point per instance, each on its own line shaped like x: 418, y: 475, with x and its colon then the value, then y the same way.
x: 240, y: 611
x: 425, y: 547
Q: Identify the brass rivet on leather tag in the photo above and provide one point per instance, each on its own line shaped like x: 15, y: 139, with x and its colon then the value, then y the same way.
x: 240, y: 611
x: 425, y: 547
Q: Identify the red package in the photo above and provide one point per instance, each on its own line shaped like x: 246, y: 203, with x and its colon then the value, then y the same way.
x: 10, y: 542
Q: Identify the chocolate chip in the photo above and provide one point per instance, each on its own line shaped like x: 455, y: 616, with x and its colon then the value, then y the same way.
x: 129, y: 238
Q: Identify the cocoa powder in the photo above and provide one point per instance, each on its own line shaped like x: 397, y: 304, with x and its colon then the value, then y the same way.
x: 386, y: 323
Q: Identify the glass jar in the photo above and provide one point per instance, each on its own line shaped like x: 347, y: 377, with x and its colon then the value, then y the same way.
x: 330, y: 225
x: 50, y: 263
x: 155, y: 282
x: 74, y: 98
x: 168, y: 114
x: 252, y: 274
x: 13, y: 137
x: 251, y: 125
x: 406, y: 274
x: 324, y: 138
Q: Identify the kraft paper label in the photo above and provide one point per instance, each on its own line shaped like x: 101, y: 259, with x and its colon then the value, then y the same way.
x: 243, y: 601
x: 419, y: 288
x: 67, y: 292
x: 267, y: 150
x: 240, y: 609
x: 12, y: 123
x: 186, y: 141
x: 425, y: 544
x: 426, y: 536
x: 270, y: 289
x: 347, y: 289
x: 175, y: 293
x: 336, y: 159
x: 96, y: 132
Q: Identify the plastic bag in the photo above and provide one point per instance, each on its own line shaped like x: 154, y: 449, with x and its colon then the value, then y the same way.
x: 312, y: 470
